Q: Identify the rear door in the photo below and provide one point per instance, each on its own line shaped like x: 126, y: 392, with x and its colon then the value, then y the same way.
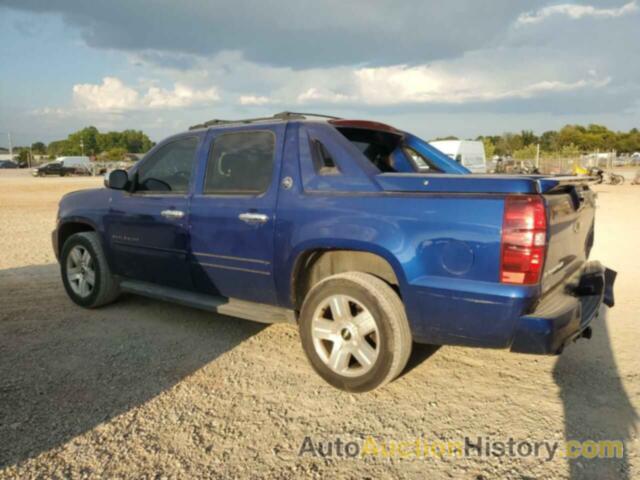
x: 147, y: 229
x: 232, y: 214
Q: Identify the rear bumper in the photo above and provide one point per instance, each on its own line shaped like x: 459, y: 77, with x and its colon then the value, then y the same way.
x: 566, y: 314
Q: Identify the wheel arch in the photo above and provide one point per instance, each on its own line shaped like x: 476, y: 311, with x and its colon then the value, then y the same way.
x: 70, y: 227
x: 315, y: 263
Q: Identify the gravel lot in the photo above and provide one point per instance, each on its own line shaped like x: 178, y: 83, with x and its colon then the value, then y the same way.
x: 147, y: 389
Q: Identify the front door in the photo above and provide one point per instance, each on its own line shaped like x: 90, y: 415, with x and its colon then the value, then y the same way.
x: 147, y: 229
x: 232, y: 215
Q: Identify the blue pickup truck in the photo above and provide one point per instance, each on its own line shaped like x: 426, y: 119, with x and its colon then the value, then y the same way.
x: 363, y: 235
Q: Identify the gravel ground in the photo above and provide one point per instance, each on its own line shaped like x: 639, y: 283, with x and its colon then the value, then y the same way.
x: 147, y: 389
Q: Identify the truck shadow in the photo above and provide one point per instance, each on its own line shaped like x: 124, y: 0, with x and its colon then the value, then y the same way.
x: 420, y: 353
x: 596, y: 405
x: 64, y: 369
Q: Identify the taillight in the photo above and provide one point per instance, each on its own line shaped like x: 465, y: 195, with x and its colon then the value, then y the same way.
x: 524, y: 235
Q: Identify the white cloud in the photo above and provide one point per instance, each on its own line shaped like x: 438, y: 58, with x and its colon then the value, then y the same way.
x: 180, y: 96
x: 52, y: 112
x: 318, y: 95
x: 551, y: 86
x: 576, y: 12
x: 112, y: 95
x: 254, y: 100
x: 442, y: 84
x: 478, y: 77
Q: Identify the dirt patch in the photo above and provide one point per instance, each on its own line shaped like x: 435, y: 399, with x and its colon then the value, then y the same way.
x: 144, y: 389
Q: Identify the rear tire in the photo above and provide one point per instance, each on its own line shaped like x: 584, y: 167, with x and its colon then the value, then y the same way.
x: 355, y: 332
x: 85, y: 272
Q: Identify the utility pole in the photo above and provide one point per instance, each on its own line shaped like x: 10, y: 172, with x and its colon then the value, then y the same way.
x: 538, y: 155
x: 10, y: 146
x: 82, y: 146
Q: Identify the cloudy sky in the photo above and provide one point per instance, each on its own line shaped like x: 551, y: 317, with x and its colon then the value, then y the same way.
x: 462, y: 67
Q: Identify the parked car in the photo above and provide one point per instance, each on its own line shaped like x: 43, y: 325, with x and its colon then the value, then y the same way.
x: 8, y: 164
x: 363, y: 235
x: 53, y: 168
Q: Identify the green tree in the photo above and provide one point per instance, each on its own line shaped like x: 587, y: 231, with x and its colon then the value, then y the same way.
x: 628, y: 142
x: 93, y: 142
x: 136, y: 142
x: 448, y: 137
x: 23, y: 155
x: 116, y: 154
x: 570, y: 150
x: 509, y: 143
x: 489, y: 148
x: 38, y: 148
x: 86, y: 141
x: 571, y: 135
x: 58, y: 148
x: 109, y: 140
x: 526, y: 153
x: 548, y: 141
x: 528, y: 137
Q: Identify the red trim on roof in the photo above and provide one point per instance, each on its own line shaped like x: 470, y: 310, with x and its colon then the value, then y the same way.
x: 366, y: 124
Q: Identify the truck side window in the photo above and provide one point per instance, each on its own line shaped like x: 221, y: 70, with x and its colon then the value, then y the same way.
x: 169, y: 168
x: 322, y: 160
x: 240, y: 163
x: 421, y: 163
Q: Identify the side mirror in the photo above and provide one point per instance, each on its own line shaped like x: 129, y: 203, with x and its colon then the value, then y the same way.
x: 118, y: 180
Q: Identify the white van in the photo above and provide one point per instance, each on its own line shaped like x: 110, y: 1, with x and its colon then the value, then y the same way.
x: 467, y: 152
x: 78, y: 161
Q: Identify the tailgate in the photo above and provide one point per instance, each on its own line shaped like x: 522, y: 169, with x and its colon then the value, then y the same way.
x: 570, y: 213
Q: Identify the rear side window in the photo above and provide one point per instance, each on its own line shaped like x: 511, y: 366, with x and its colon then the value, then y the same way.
x: 323, y: 162
x: 240, y: 163
x: 168, y: 169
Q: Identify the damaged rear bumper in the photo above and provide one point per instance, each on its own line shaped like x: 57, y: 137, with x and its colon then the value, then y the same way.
x: 565, y: 315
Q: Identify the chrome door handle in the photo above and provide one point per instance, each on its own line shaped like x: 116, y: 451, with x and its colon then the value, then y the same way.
x: 172, y: 214
x: 253, y: 217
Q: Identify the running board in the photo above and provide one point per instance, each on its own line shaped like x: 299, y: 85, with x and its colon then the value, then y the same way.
x: 257, y: 312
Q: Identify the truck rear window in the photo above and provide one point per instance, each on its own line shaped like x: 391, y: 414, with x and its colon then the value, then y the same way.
x: 380, y: 146
x: 376, y: 145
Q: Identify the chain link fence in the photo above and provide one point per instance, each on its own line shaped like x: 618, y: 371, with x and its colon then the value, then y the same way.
x: 567, y: 165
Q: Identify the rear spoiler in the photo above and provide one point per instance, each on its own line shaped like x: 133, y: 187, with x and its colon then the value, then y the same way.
x: 478, y: 183
x: 559, y: 183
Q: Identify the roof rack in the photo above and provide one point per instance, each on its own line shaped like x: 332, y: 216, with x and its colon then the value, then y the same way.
x: 277, y: 116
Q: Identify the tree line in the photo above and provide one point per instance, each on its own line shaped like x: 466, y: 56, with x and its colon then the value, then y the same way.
x: 569, y: 141
x: 90, y: 142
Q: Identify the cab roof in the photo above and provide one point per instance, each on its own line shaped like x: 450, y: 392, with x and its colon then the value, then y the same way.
x: 287, y: 116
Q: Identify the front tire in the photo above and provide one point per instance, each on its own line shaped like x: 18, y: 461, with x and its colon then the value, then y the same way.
x: 85, y: 272
x: 355, y: 332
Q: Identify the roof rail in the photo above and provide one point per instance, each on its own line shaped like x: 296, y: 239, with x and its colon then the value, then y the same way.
x: 277, y: 116
x: 303, y: 115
